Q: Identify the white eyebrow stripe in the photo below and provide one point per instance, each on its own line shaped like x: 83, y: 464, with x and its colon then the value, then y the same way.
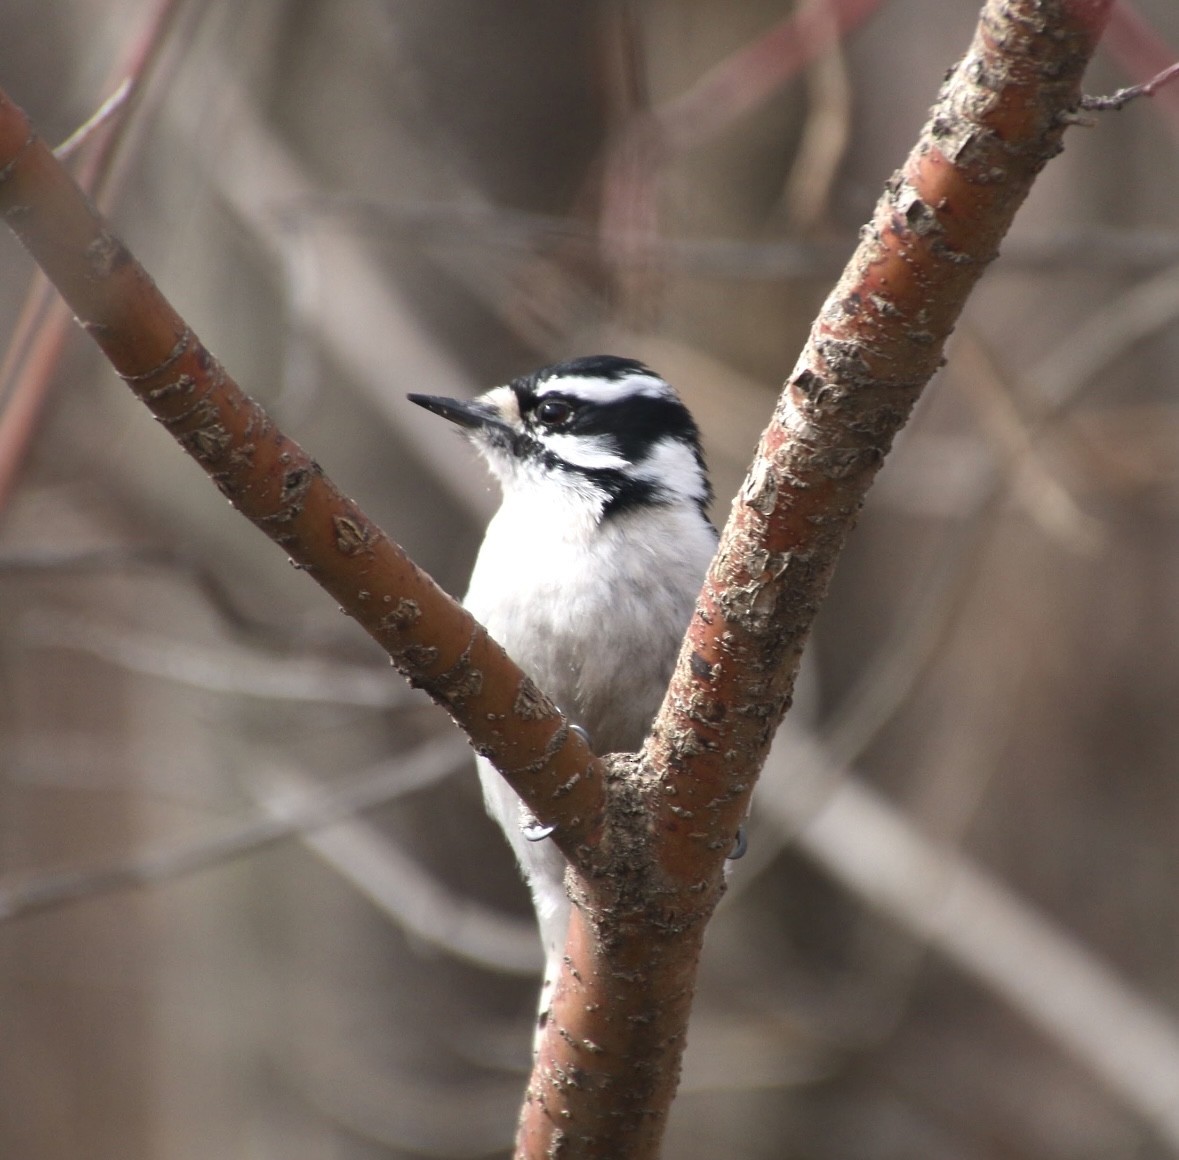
x: 599, y: 390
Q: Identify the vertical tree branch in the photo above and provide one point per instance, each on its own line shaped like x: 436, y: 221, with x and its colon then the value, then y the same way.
x: 603, y: 1082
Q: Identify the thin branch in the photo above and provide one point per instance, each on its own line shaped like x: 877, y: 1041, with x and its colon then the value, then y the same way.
x: 26, y: 372
x: 1137, y: 46
x: 415, y: 900
x: 825, y: 133
x: 221, y: 599
x: 366, y: 325
x: 228, y: 670
x: 1059, y: 381
x: 748, y: 77
x: 740, y: 82
x: 383, y: 783
x: 104, y: 113
x: 922, y: 627
x: 1075, y: 364
x: 1123, y: 97
x: 461, y: 227
x: 1129, y: 1042
x: 1031, y: 479
x: 387, y: 1102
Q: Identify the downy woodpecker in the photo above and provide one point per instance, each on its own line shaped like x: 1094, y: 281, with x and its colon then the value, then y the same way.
x: 590, y: 568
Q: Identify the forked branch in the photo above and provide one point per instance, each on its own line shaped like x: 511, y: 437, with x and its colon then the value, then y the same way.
x: 648, y: 847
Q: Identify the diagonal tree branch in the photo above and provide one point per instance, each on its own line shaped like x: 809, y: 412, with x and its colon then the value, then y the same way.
x: 27, y: 369
x: 877, y: 341
x: 273, y: 482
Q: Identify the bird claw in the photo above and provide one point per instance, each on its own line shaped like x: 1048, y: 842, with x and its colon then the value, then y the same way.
x: 740, y: 846
x: 533, y: 831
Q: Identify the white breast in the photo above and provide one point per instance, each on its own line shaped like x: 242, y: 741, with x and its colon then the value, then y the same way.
x: 593, y: 613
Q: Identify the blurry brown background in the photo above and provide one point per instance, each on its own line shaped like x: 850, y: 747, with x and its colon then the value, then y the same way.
x: 354, y: 200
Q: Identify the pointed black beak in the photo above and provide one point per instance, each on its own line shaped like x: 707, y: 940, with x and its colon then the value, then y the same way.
x: 465, y: 413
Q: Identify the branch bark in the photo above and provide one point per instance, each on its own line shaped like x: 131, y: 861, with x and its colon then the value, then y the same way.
x: 646, y: 834
x: 272, y: 481
x: 602, y: 1085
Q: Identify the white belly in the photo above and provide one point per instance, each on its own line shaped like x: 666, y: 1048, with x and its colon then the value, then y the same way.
x: 595, y: 616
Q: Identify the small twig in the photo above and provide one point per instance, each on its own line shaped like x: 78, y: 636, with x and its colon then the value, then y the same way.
x: 1138, y: 48
x: 217, y: 594
x: 112, y: 105
x: 26, y: 373
x: 392, y: 779
x: 1124, y: 96
x: 1075, y: 364
x: 826, y: 130
x: 413, y: 898
x: 1038, y: 487
x: 223, y: 668
x: 460, y: 229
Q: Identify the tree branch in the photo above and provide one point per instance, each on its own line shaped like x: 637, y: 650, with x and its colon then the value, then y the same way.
x: 603, y: 1085
x: 26, y: 371
x: 436, y: 644
x: 1123, y: 97
x: 877, y: 341
x: 647, y: 848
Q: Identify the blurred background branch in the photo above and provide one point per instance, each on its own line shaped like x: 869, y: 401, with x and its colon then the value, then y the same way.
x: 393, y: 196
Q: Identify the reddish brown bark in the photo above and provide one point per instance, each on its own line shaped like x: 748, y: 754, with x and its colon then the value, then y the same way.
x: 610, y: 1059
x: 33, y: 355
x: 275, y: 484
x: 648, y: 848
x: 877, y: 341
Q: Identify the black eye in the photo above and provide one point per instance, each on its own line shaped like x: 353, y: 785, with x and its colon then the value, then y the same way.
x: 554, y: 412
